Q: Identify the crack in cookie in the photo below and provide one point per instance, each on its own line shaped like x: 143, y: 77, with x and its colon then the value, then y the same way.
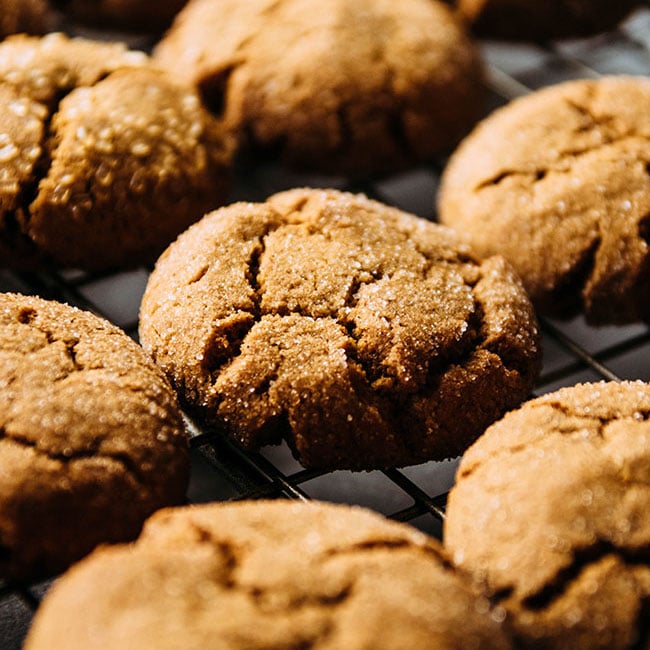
x: 571, y: 189
x: 356, y: 332
x: 572, y: 567
x: 121, y: 159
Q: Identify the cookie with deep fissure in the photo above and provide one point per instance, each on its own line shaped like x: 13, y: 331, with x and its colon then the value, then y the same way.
x: 343, y: 87
x: 103, y: 158
x: 259, y: 575
x: 364, y: 336
x: 91, y: 437
x: 558, y: 182
x: 551, y: 511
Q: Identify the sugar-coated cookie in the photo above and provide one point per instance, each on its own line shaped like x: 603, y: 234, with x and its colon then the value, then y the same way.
x: 91, y: 438
x: 345, y: 87
x: 558, y: 182
x: 260, y: 575
x: 363, y: 335
x: 103, y: 159
x: 551, y: 508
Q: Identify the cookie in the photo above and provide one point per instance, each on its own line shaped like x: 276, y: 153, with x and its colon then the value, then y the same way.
x: 126, y: 15
x: 350, y: 88
x: 269, y: 574
x: 364, y: 336
x: 558, y: 182
x: 551, y: 508
x: 115, y: 163
x: 32, y: 16
x: 91, y: 438
x: 543, y: 19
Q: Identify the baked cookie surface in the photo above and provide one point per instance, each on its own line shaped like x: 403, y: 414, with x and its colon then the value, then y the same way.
x: 115, y: 163
x: 91, y: 442
x: 543, y: 19
x: 344, y: 87
x: 260, y: 575
x: 364, y: 336
x: 558, y: 182
x: 551, y: 508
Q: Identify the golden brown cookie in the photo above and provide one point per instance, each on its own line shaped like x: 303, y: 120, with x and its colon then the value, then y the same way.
x: 543, y: 19
x: 31, y: 16
x: 91, y: 438
x: 259, y: 575
x: 365, y: 336
x: 558, y: 182
x: 551, y: 508
x: 127, y: 15
x: 121, y: 160
x: 345, y: 87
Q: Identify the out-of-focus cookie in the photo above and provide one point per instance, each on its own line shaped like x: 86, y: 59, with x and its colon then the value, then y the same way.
x: 254, y: 575
x: 31, y: 16
x: 365, y: 336
x: 558, y: 182
x: 543, y: 19
x: 127, y: 15
x: 91, y: 442
x: 344, y: 87
x: 120, y: 161
x: 551, y: 508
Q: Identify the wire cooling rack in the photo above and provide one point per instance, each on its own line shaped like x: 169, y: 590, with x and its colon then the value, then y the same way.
x: 573, y: 351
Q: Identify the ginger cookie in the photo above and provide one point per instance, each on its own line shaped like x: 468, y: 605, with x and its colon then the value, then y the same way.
x: 345, y: 87
x: 91, y: 438
x: 551, y: 508
x: 364, y: 336
x: 103, y: 159
x: 543, y: 19
x: 269, y: 574
x: 558, y: 182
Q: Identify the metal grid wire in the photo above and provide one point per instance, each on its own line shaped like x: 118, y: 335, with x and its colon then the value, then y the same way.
x: 573, y: 351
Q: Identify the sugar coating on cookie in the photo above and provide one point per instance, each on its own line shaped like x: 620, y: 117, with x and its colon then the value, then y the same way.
x: 558, y: 182
x: 551, y: 508
x: 115, y: 163
x: 257, y: 575
x: 345, y: 87
x: 365, y: 336
x: 91, y: 437
x: 543, y: 19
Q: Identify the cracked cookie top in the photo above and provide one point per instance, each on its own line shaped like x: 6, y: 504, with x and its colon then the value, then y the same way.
x: 543, y: 19
x: 103, y: 158
x: 558, y: 182
x: 364, y: 336
x: 91, y: 438
x: 258, y: 575
x: 344, y: 87
x: 551, y: 508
